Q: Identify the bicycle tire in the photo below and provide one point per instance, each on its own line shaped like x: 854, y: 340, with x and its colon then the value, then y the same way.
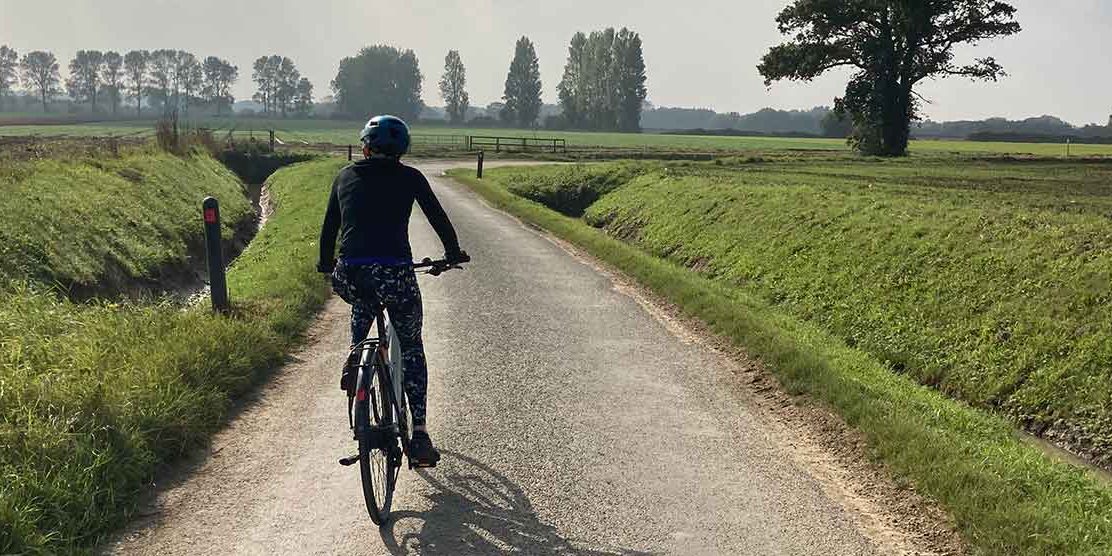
x: 397, y: 380
x: 379, y: 459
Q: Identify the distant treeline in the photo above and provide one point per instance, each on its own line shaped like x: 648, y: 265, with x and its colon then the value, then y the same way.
x: 1041, y: 138
x: 171, y: 80
x: 823, y: 122
x: 164, y: 80
x: 742, y: 133
x: 602, y: 88
x: 1041, y: 127
x: 767, y: 120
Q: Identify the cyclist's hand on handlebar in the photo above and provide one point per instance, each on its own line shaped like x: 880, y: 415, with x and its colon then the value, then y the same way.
x: 458, y: 257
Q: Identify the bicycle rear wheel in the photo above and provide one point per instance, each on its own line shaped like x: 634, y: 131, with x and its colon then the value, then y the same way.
x: 379, y: 450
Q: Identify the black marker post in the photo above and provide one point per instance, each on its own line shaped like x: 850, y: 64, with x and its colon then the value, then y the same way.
x: 218, y: 285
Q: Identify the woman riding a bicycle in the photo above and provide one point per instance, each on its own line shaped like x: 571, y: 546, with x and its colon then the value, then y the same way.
x: 369, y: 210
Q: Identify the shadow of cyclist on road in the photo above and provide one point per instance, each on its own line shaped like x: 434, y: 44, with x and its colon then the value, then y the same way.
x: 475, y: 510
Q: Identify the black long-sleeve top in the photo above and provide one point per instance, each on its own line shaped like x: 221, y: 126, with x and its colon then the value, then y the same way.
x: 369, y: 208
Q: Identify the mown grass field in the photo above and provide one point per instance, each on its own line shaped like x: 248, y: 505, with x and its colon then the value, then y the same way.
x: 858, y: 282
x: 344, y: 132
x: 94, y: 396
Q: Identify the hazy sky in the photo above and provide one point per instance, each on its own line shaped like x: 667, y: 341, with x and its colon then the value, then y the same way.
x: 699, y: 52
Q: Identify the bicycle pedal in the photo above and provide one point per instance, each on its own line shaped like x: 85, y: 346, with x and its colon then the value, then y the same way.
x: 350, y: 460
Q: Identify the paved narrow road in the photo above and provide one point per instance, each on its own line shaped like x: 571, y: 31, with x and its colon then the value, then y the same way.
x: 572, y: 419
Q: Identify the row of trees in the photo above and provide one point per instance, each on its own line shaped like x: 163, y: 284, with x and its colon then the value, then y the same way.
x: 171, y: 79
x: 177, y: 80
x: 37, y: 70
x: 603, y: 85
x: 281, y: 89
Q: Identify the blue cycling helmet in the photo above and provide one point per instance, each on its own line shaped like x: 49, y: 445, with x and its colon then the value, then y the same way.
x: 386, y: 135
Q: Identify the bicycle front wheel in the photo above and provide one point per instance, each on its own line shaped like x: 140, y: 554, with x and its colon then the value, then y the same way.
x: 379, y: 449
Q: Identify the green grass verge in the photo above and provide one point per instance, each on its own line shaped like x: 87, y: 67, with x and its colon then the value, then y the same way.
x: 94, y: 396
x: 989, y: 281
x: 98, y: 225
x: 1006, y: 496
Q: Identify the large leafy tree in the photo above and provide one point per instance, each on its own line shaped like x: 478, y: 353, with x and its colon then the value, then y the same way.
x: 9, y: 72
x: 452, y: 87
x: 136, y: 66
x: 379, y: 80
x: 112, y: 76
x: 523, y: 86
x: 40, y: 71
x: 894, y: 44
x: 85, y: 75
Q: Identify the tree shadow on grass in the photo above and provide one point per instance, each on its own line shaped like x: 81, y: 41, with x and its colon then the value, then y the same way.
x: 476, y: 510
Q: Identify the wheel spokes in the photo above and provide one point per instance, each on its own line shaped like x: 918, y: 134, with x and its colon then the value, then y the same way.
x: 380, y: 471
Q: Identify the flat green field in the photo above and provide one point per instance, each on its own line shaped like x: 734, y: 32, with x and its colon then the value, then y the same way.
x: 345, y: 132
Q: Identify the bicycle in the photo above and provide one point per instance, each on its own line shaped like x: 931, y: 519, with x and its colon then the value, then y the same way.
x: 377, y: 410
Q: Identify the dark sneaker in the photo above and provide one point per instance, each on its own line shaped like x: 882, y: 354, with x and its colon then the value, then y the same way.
x: 421, y: 451
x: 347, y: 379
x: 347, y: 373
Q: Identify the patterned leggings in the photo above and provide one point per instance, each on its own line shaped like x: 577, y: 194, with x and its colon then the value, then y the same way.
x: 395, y: 287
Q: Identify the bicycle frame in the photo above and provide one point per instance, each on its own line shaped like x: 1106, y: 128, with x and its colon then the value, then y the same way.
x: 386, y: 346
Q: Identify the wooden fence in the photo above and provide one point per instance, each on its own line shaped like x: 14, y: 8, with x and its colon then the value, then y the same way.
x: 516, y: 144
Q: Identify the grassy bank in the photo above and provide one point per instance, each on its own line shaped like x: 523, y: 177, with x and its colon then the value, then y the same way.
x: 109, y: 224
x: 93, y: 397
x: 988, y: 281
x: 745, y: 249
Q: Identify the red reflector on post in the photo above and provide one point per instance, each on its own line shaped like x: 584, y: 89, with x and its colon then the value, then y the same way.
x: 210, y: 216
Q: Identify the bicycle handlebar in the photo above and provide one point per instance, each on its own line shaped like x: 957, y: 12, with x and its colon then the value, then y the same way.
x: 438, y: 267
x: 434, y: 268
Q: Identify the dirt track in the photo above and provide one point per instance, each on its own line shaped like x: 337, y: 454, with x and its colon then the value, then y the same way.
x: 576, y: 417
